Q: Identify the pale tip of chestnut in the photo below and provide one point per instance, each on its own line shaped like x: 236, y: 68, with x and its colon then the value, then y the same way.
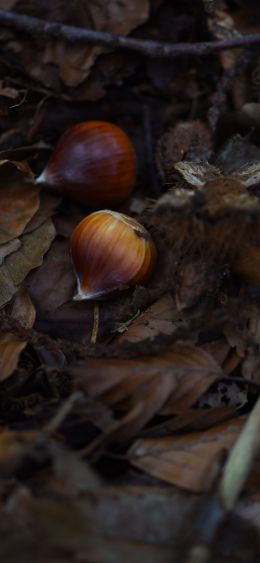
x: 42, y: 179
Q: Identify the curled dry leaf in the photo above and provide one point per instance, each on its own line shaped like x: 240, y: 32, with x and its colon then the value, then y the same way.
x: 11, y: 347
x: 186, y: 461
x: 18, y: 264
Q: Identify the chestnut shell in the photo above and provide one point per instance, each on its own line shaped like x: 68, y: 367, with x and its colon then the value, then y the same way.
x: 93, y: 163
x: 110, y: 252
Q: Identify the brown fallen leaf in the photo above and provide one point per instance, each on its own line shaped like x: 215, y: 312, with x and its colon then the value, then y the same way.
x: 186, y: 461
x: 114, y: 380
x: 11, y: 346
x: 48, y: 205
x: 147, y: 401
x: 53, y: 284
x: 193, y: 420
x: 19, y: 200
x: 8, y: 248
x: 18, y: 203
x: 30, y: 255
x: 219, y: 349
x: 160, y: 318
x: 56, y: 62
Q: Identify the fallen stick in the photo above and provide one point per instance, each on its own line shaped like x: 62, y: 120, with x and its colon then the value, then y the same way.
x: 158, y: 49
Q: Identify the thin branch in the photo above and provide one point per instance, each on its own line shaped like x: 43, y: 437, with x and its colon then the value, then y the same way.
x: 148, y: 48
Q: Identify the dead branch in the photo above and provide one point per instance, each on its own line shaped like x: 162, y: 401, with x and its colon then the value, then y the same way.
x: 148, y: 48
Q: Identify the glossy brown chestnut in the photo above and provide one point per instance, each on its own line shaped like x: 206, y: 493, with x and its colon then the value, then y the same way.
x: 93, y: 163
x: 110, y: 251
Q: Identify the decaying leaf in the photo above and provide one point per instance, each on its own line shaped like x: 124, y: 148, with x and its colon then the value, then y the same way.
x: 186, y: 461
x: 18, y: 264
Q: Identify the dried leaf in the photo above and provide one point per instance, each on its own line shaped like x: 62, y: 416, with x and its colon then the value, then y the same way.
x: 186, y: 461
x: 148, y: 400
x: 48, y: 205
x: 18, y: 204
x: 53, y: 284
x: 57, y: 62
x: 17, y: 265
x: 10, y: 350
x: 160, y: 318
x: 115, y: 380
x: 8, y: 248
x: 11, y: 347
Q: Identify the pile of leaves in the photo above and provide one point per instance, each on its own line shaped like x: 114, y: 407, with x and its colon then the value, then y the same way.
x: 129, y: 428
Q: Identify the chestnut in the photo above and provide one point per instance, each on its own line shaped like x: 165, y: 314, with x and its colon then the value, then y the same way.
x: 94, y: 163
x: 110, y: 252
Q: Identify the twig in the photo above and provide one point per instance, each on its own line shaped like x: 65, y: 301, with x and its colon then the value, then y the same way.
x: 148, y: 48
x: 53, y: 425
x: 94, y: 334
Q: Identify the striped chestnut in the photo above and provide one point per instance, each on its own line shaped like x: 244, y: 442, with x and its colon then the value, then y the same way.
x: 93, y: 163
x: 110, y: 252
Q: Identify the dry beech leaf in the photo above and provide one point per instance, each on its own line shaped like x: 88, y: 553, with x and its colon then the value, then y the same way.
x: 73, y: 62
x: 18, y: 203
x: 186, y: 461
x: 160, y: 318
x: 147, y: 401
x: 219, y: 349
x: 11, y: 347
x: 193, y: 420
x: 21, y: 165
x: 8, y: 248
x: 115, y: 380
x: 30, y: 255
x: 55, y: 272
x: 10, y: 350
x: 48, y: 205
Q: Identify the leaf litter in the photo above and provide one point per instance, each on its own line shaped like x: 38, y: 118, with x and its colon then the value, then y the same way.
x: 154, y: 422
